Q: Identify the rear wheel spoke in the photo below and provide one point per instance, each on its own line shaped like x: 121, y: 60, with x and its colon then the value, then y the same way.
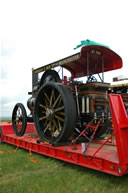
x: 46, y: 103
x: 44, y: 112
x: 47, y: 127
x: 46, y: 122
x: 54, y: 122
x: 59, y: 118
x: 42, y: 118
x: 52, y: 129
x: 43, y: 106
x: 60, y: 113
x: 59, y: 126
x: 56, y: 100
x: 48, y: 99
x: 59, y: 102
x: 52, y: 97
x: 59, y: 109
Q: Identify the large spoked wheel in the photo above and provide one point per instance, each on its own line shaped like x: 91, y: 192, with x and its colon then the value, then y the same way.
x: 19, y: 119
x: 55, y: 112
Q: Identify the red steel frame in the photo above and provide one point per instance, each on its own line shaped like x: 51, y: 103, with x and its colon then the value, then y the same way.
x: 104, y: 156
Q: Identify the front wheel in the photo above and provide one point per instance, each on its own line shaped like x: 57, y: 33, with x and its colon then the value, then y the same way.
x: 19, y: 119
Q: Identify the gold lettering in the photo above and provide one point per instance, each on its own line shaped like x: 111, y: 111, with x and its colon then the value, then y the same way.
x: 98, y: 52
x: 92, y: 51
x: 39, y: 70
x: 59, y: 63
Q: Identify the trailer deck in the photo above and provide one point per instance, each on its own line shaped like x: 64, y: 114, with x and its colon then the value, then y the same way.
x: 107, y: 155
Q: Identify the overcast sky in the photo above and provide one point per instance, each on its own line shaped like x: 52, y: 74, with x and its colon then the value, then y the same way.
x: 37, y: 32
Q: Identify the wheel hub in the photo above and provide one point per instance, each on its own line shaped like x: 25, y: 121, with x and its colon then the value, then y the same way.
x: 49, y: 113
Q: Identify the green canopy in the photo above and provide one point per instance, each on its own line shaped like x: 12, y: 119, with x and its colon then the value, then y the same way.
x: 88, y: 43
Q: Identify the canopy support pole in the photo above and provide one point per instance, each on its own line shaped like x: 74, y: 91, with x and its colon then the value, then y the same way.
x: 87, y: 65
x: 102, y: 68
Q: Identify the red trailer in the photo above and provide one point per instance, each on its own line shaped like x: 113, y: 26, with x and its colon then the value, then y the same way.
x: 68, y: 118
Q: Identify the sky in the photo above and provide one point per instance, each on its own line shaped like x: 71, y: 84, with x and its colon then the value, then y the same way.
x: 34, y: 33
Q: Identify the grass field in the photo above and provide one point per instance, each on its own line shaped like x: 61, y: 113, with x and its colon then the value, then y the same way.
x: 19, y: 174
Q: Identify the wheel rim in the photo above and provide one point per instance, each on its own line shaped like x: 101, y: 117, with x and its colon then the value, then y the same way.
x: 51, y: 112
x: 19, y: 119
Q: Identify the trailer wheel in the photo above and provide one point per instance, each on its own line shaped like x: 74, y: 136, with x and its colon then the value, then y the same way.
x: 55, y: 112
x: 49, y: 75
x: 19, y: 119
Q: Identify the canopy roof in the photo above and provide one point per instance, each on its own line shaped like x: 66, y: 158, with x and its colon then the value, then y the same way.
x: 92, y: 59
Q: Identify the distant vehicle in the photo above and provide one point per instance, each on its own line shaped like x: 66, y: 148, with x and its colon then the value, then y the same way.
x: 120, y: 86
x: 62, y: 107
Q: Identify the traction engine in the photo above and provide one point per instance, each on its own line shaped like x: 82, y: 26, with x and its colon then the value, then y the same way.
x: 63, y: 108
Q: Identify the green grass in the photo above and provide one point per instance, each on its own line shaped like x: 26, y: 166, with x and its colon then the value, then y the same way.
x: 6, y: 121
x: 18, y: 174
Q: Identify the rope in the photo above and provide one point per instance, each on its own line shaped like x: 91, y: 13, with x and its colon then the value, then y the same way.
x: 9, y: 151
x: 33, y: 159
x: 30, y: 158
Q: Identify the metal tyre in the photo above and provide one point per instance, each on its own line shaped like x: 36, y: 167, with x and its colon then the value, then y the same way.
x: 19, y: 119
x: 55, y: 112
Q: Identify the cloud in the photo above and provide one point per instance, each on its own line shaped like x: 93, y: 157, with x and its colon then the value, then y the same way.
x: 8, y: 103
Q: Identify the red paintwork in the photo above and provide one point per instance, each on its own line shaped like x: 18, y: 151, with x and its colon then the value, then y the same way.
x: 102, y: 156
x: 120, y: 121
x: 78, y: 68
